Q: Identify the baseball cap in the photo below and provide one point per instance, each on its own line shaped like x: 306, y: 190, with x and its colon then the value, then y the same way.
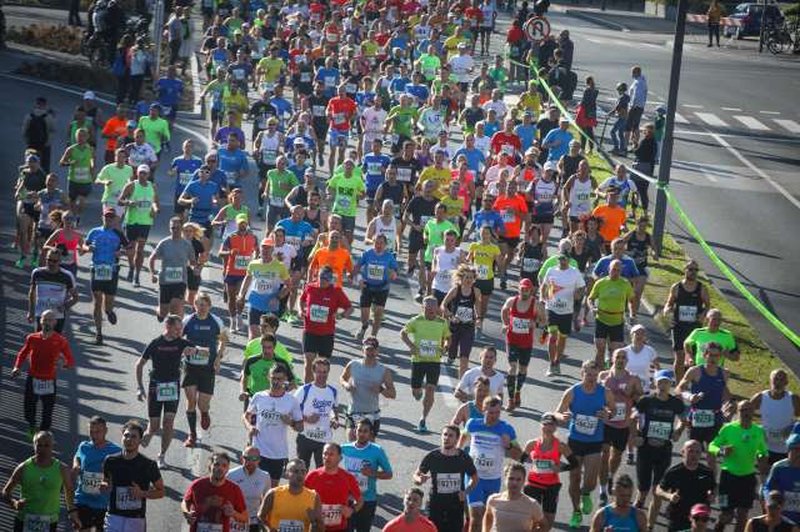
x: 563, y: 119
x: 371, y: 341
x: 109, y: 211
x: 793, y: 441
x: 89, y: 95
x: 662, y: 374
x: 155, y: 105
x: 700, y: 510
x: 574, y: 143
x: 462, y: 46
x: 564, y: 243
x: 298, y: 142
x: 526, y: 283
x: 550, y: 165
x: 241, y: 217
x: 143, y: 168
x: 548, y: 417
x: 637, y: 327
x: 269, y: 241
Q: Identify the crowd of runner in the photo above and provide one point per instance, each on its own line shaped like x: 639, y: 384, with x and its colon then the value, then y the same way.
x: 383, y: 148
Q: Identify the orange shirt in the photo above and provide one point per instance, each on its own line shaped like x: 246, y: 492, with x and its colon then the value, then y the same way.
x: 114, y: 128
x: 340, y: 112
x: 613, y: 218
x: 242, y: 248
x: 512, y: 210
x: 338, y: 259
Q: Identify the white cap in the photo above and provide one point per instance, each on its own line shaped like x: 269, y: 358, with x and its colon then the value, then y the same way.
x: 89, y: 95
x: 550, y: 165
x: 143, y: 168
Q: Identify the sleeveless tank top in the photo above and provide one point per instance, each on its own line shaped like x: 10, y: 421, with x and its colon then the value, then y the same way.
x: 365, y: 377
x: 621, y: 524
x: 760, y: 526
x: 388, y: 230
x: 315, y: 223
x: 580, y: 198
x: 706, y: 412
x: 393, y: 192
x: 620, y: 387
x: 531, y: 260
x: 447, y: 261
x: 71, y: 256
x: 474, y: 413
x: 584, y: 425
x: 289, y: 511
x: 269, y: 149
x: 637, y: 250
x: 463, y: 308
x: 688, y: 305
x: 79, y: 170
x: 545, y: 193
x: 546, y: 465
x: 519, y: 332
x: 41, y: 489
x: 138, y: 212
x: 777, y: 415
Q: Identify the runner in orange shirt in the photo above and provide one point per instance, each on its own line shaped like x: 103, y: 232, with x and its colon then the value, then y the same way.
x: 237, y: 251
x: 514, y: 209
x: 334, y: 256
x: 114, y: 128
x: 340, y: 112
x: 612, y: 217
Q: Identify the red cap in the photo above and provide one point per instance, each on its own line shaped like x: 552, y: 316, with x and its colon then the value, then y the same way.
x: 700, y: 510
x: 526, y: 283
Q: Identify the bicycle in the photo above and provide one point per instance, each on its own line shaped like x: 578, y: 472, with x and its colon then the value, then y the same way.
x: 780, y: 38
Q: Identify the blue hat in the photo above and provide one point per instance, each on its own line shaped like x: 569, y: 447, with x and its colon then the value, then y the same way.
x: 793, y: 440
x: 662, y: 374
x: 661, y: 110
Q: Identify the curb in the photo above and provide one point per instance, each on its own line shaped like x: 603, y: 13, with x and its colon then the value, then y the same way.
x: 595, y: 20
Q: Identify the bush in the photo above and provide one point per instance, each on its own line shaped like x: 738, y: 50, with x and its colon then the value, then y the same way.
x: 71, y: 74
x: 64, y: 39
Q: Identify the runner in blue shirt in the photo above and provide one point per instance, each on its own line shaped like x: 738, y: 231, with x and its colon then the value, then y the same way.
x: 629, y: 269
x: 526, y: 131
x: 557, y: 140
x: 475, y: 157
x: 283, y: 109
x: 377, y: 267
x: 183, y: 169
x: 374, y: 165
x: 90, y: 501
x: 487, y: 216
x: 170, y: 90
x: 233, y: 161
x: 367, y: 461
x: 329, y: 77
x: 106, y: 243
x: 201, y: 196
x: 784, y: 476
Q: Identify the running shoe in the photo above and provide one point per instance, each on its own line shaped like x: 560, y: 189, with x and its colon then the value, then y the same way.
x: 517, y: 399
x: 98, y: 339
x: 205, y: 420
x: 586, y: 504
x: 189, y: 442
x: 361, y: 333
x: 418, y: 297
x: 576, y: 520
x: 550, y: 372
x: 557, y: 368
x: 422, y: 427
x: 511, y: 405
x: 20, y: 262
x: 160, y: 462
x: 130, y: 275
x: 112, y: 317
x: 603, y: 498
x: 146, y: 439
x: 159, y: 317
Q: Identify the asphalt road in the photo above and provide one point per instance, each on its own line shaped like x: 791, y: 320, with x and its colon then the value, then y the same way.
x: 737, y: 143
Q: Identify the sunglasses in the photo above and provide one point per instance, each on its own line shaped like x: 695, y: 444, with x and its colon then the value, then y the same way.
x: 700, y: 519
x: 252, y: 458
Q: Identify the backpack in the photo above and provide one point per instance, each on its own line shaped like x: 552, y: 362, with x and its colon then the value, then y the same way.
x: 36, y: 132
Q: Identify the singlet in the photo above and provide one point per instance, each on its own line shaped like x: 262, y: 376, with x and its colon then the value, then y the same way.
x: 80, y: 169
x: 41, y: 489
x: 777, y: 415
x: 447, y: 262
x: 71, y: 256
x: 545, y: 464
x: 365, y: 378
x: 138, y: 212
x: 620, y: 388
x: 706, y: 412
x: 473, y: 412
x: 637, y: 250
x: 48, y: 201
x: 463, y: 308
x: 531, y: 261
x: 388, y: 230
x: 393, y: 192
x: 520, y: 333
x: 621, y: 524
x: 688, y: 305
x: 584, y: 425
x: 758, y: 525
x: 289, y: 511
x: 314, y: 221
x: 580, y: 198
x: 269, y: 149
x: 545, y: 192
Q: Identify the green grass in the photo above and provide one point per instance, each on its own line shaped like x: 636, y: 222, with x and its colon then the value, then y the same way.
x: 751, y: 373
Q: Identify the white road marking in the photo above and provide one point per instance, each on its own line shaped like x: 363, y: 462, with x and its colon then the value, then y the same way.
x: 731, y: 109
x: 769, y: 112
x: 751, y: 123
x: 791, y: 125
x: 691, y: 106
x: 711, y: 119
x: 755, y: 169
x: 680, y: 119
x: 783, y: 140
x: 708, y: 176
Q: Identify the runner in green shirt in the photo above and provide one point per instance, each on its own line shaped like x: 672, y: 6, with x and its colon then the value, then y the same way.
x: 402, y: 118
x: 695, y: 344
x: 156, y: 129
x: 114, y: 177
x: 610, y: 296
x: 255, y: 368
x: 280, y: 182
x: 429, y: 63
x: 346, y: 187
x: 79, y: 157
x: 426, y: 337
x: 434, y: 231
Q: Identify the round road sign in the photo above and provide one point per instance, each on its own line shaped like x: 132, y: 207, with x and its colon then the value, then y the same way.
x: 536, y: 28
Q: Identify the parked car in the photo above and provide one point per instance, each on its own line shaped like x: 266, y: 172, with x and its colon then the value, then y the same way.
x: 749, y: 15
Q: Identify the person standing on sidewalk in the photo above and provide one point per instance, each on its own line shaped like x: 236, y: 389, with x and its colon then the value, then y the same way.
x: 74, y: 18
x: 638, y: 93
x: 37, y: 130
x: 714, y: 14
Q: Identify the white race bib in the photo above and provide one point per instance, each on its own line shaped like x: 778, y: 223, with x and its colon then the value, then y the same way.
x: 687, y: 314
x: 90, y: 482
x: 530, y: 265
x: 659, y: 430
x: 544, y: 466
x: 125, y: 499
x: 209, y: 527
x: 332, y: 514
x: 464, y: 314
x: 167, y: 391
x: 241, y: 262
x: 376, y: 272
x: 448, y: 483
x: 483, y: 272
x: 36, y: 523
x: 264, y: 286
x: 200, y: 357
x: 103, y: 272
x: 184, y: 178
x: 509, y: 216
x: 291, y: 525
x: 319, y: 313
x: 520, y: 325
x: 585, y: 424
x: 428, y: 348
x: 174, y: 273
x: 43, y: 386
x: 619, y: 412
x: 484, y: 463
x: 703, y: 419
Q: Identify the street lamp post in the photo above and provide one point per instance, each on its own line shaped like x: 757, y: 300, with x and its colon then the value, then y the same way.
x: 669, y: 128
x: 158, y: 35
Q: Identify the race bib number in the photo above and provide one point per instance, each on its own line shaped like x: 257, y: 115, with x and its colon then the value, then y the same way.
x: 659, y: 430
x: 264, y: 286
x: 230, y: 177
x: 586, y: 425
x: 125, y: 499
x: 464, y: 314
x: 484, y: 463
x: 342, y: 202
x: 509, y: 216
x: 305, y: 77
x: 777, y: 435
x: 424, y: 220
x: 81, y: 174
x: 448, y: 483
x: 483, y: 272
x: 269, y: 156
x: 90, y: 482
x: 166, y: 109
x: 687, y: 314
x: 276, y: 201
x: 558, y: 305
x: 291, y: 525
x: 241, y: 262
x: 319, y: 313
x: 428, y: 348
x: 318, y: 110
x: 703, y: 419
x: 184, y: 178
x: 520, y: 325
x: 209, y: 527
x: 36, y: 523
x: 200, y: 357
x: 166, y: 391
x: 103, y: 272
x: 376, y: 272
x: 43, y: 386
x: 544, y: 466
x: 530, y: 265
x: 339, y: 118
x: 619, y: 411
x: 239, y: 526
x: 332, y: 514
x: 173, y: 273
x: 316, y: 434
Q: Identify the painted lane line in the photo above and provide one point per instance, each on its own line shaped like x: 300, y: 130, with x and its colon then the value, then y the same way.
x: 769, y: 112
x: 751, y: 123
x: 755, y: 169
x: 731, y: 109
x: 764, y: 138
x: 691, y: 106
x: 791, y: 125
x: 711, y: 119
x: 680, y: 119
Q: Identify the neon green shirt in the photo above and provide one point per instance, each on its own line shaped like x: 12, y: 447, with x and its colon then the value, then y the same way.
x: 280, y: 184
x: 403, y: 119
x: 115, y: 179
x: 433, y: 232
x: 429, y: 337
x: 747, y: 444
x: 41, y: 489
x: 551, y: 261
x: 611, y: 296
x: 156, y: 132
x: 346, y: 192
x: 80, y: 171
x: 429, y: 65
x: 271, y: 68
x: 700, y: 338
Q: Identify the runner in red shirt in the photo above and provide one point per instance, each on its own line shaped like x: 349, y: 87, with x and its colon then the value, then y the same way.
x: 319, y: 304
x: 411, y: 520
x: 514, y: 209
x: 44, y: 348
x: 213, y: 499
x: 341, y: 111
x: 519, y: 322
x: 337, y: 489
x: 507, y: 142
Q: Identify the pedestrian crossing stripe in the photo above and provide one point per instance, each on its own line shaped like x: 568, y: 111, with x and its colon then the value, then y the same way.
x: 790, y: 125
x: 752, y: 123
x: 711, y: 119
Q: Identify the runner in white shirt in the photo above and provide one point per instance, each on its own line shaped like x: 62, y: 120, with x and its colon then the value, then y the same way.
x: 642, y: 359
x: 561, y: 287
x: 466, y: 386
x: 254, y: 484
x: 318, y: 403
x: 373, y: 120
x: 267, y: 416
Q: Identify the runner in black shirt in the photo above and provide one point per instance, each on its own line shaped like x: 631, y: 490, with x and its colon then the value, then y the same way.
x: 419, y: 210
x: 446, y: 467
x: 317, y: 103
x: 163, y: 392
x: 685, y: 485
x: 408, y: 168
x: 130, y: 478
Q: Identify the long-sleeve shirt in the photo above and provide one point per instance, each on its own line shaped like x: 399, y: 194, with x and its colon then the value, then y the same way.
x: 43, y: 354
x: 638, y: 92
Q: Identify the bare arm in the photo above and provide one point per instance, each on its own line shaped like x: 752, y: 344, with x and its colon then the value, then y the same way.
x: 388, y: 389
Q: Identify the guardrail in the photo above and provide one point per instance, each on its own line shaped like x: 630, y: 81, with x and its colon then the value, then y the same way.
x: 724, y: 21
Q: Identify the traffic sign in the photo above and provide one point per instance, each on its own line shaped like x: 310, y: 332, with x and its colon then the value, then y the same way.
x: 536, y: 29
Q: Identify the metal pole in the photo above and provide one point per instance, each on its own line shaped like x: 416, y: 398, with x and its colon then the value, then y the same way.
x: 761, y: 28
x: 669, y: 128
x: 158, y: 33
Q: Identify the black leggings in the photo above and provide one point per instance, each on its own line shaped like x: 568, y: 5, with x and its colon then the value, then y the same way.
x: 31, y: 400
x: 361, y: 521
x: 306, y: 448
x: 651, y: 463
x: 713, y: 31
x: 590, y: 134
